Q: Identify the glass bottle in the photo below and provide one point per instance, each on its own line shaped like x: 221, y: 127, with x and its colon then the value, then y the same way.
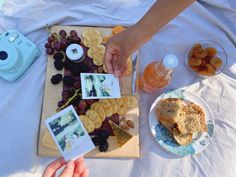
x: 158, y: 74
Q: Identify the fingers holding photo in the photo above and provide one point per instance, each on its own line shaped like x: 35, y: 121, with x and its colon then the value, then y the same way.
x: 53, y: 167
x: 80, y: 168
x: 68, y: 170
x: 72, y: 168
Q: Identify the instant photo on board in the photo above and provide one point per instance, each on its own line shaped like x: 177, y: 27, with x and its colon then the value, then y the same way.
x: 99, y: 86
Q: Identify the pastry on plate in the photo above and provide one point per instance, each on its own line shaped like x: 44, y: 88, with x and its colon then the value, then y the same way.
x: 181, y: 119
x: 169, y: 111
x: 194, y: 119
x: 183, y: 139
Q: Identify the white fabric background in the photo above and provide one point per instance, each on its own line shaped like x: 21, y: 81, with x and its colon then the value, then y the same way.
x: 20, y: 101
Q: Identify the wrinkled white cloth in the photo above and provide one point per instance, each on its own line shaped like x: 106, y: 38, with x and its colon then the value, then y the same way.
x: 21, y: 101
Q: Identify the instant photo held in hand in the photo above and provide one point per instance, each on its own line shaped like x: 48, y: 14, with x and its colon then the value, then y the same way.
x: 99, y: 86
x: 69, y: 134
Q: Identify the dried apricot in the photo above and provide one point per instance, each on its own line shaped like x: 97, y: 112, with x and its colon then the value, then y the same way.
x: 105, y: 39
x: 216, y: 62
x: 202, y: 68
x: 194, y: 62
x: 205, y: 60
x: 117, y: 29
x: 197, y: 46
x: 210, y: 68
x: 209, y: 71
x: 200, y: 53
x: 206, y: 73
x: 203, y: 72
x: 211, y: 51
x: 194, y: 68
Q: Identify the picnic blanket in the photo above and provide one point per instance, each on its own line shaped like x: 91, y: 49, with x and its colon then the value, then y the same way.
x: 21, y: 101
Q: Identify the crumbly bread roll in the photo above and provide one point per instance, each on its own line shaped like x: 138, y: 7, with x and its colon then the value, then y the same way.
x: 169, y: 111
x: 183, y: 139
x: 181, y: 120
x: 194, y: 120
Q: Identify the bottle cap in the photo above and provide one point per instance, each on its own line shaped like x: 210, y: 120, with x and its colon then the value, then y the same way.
x: 74, y: 52
x: 170, y: 61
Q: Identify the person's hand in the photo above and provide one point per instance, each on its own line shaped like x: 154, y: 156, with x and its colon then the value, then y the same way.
x: 72, y: 169
x: 118, y: 49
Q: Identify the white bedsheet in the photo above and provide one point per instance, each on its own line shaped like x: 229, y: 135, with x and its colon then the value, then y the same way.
x: 20, y: 101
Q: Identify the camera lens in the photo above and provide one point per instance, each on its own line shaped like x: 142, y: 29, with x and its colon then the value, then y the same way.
x: 3, y: 55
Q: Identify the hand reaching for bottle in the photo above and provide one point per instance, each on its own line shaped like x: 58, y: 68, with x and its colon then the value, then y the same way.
x: 72, y: 169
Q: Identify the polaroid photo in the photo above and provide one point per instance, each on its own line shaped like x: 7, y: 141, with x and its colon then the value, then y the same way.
x: 69, y: 134
x: 99, y: 86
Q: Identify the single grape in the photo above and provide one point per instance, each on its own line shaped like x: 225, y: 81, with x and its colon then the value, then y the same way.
x: 48, y: 45
x: 81, y: 111
x: 73, y: 33
x: 65, y: 94
x: 76, y: 39
x: 57, y: 46
x: 60, y: 103
x: 62, y: 33
x: 82, y: 105
x: 71, y: 91
x: 65, y: 100
x: 51, y: 39
x: 77, y: 85
x: 63, y: 43
x: 49, y: 51
x: 90, y: 101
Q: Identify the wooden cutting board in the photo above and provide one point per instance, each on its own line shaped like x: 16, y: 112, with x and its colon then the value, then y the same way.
x: 52, y: 94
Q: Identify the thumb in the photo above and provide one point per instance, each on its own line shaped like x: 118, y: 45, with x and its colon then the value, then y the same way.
x: 119, y: 64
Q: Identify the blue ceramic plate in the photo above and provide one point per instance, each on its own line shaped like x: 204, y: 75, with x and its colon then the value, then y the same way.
x: 164, y: 138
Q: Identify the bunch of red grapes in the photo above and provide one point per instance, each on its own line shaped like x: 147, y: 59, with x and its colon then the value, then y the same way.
x: 56, y: 45
x: 60, y: 42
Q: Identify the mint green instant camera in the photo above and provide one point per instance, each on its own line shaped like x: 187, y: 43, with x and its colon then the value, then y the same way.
x: 17, y: 53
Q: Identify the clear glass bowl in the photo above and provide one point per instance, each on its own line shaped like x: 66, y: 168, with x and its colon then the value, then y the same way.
x: 221, y: 53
